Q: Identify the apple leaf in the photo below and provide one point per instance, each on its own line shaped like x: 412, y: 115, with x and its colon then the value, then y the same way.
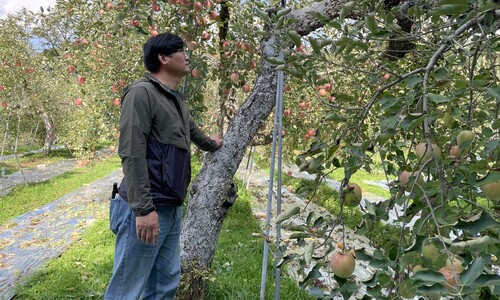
x: 494, y: 91
x: 439, y: 98
x: 487, y: 280
x: 429, y: 276
x: 335, y: 117
x: 263, y: 16
x: 274, y: 60
x: 370, y: 22
x: 435, y: 289
x: 312, y: 275
x: 477, y: 223
x: 451, y: 7
x: 287, y: 214
x: 473, y: 271
x: 295, y: 37
x: 321, y: 17
x: 346, y: 9
x: 283, y: 12
x: 489, y: 178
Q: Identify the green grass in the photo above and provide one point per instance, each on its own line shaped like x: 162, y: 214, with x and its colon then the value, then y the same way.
x: 28, y: 197
x: 82, y: 272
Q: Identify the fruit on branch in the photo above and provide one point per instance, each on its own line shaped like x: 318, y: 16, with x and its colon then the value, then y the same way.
x: 195, y: 73
x: 342, y: 264
x: 448, y: 274
x: 418, y: 268
x: 455, y: 263
x: 234, y: 77
x: 117, y: 101
x: 454, y: 151
x: 492, y: 190
x: 404, y: 177
x: 424, y: 154
x: 352, y: 195
x: 430, y: 251
x: 464, y: 140
x: 78, y: 101
x: 245, y: 88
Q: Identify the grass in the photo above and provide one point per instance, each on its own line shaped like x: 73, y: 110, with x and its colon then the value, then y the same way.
x: 82, y: 272
x: 28, y: 197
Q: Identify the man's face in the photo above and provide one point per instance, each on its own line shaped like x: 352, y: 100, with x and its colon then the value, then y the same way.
x: 178, y: 63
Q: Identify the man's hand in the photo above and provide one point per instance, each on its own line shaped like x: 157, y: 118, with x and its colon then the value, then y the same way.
x: 147, y: 228
x: 217, y: 139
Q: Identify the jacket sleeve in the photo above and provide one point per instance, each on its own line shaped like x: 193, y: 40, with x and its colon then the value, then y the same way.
x: 201, y: 139
x: 135, y: 126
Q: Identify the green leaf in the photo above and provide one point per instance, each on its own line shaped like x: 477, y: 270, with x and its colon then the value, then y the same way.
x: 312, y: 275
x: 283, y: 12
x: 346, y: 9
x: 473, y: 271
x: 490, y: 178
x: 321, y: 17
x: 389, y: 122
x: 429, y: 276
x: 439, y: 98
x: 494, y: 91
x: 299, y: 235
x: 384, y: 137
x: 314, y: 44
x: 451, y: 7
x: 274, y: 60
x: 370, y: 22
x: 263, y: 16
x: 308, y: 252
x: 477, y: 223
x: 287, y: 214
x: 295, y: 37
x: 413, y: 80
x: 335, y: 117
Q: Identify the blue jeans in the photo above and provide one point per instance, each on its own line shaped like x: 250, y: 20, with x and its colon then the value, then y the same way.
x: 144, y: 270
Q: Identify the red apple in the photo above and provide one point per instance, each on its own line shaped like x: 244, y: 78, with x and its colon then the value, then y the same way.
x: 80, y: 79
x: 71, y: 69
x: 328, y: 87
x: 195, y: 73
x: 183, y: 11
x: 4, y: 104
x: 156, y: 7
x: 234, y: 77
x: 454, y: 151
x: 449, y: 275
x: 322, y: 92
x: 78, y: 101
x: 311, y: 132
x: 245, y: 88
x: 352, y: 195
x: 387, y: 76
x: 109, y: 5
x: 424, y: 154
x: 342, y: 264
x: 1, y: 88
x: 117, y: 102
x: 205, y: 35
x: 287, y: 112
x: 213, y: 15
x: 404, y: 177
x: 225, y: 44
x: 198, y: 6
x: 154, y: 32
x: 192, y: 45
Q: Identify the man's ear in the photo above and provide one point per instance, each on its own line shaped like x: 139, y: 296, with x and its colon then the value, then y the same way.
x: 162, y: 58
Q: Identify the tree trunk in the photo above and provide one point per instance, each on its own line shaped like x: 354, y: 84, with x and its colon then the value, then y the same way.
x: 49, y: 132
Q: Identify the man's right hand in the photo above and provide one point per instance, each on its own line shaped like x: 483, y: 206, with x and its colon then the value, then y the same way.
x: 217, y: 139
x: 148, y: 227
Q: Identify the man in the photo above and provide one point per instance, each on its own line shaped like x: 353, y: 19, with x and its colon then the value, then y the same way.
x: 155, y: 136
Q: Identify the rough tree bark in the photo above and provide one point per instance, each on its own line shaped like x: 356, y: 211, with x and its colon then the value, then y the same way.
x: 206, y: 211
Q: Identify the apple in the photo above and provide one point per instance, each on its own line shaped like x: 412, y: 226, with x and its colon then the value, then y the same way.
x: 424, y: 154
x: 449, y: 275
x: 387, y: 76
x: 195, y: 73
x: 322, y: 92
x: 1, y: 88
x: 455, y: 263
x: 308, y: 103
x: 71, y: 69
x: 4, y: 104
x: 109, y: 5
x: 208, y: 4
x: 80, y: 79
x: 112, y: 148
x: 200, y: 20
x: 311, y: 132
x: 492, y: 190
x: 287, y: 112
x: 156, y: 7
x: 342, y: 264
x: 245, y: 88
x: 465, y: 136
x: 418, y: 268
x: 404, y: 177
x: 205, y: 35
x: 225, y: 44
x: 78, y: 101
x: 154, y: 32
x: 198, y: 6
x: 327, y: 87
x: 183, y: 11
x: 192, y: 45
x: 289, y: 173
x: 352, y: 195
x: 213, y: 15
x: 454, y: 152
x: 117, y: 102
x: 430, y: 251
x: 234, y: 77
x: 133, y: 23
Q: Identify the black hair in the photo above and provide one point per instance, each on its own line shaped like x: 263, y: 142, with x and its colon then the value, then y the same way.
x: 163, y: 43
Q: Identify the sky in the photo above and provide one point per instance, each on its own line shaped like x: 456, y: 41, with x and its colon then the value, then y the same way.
x: 12, y: 6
